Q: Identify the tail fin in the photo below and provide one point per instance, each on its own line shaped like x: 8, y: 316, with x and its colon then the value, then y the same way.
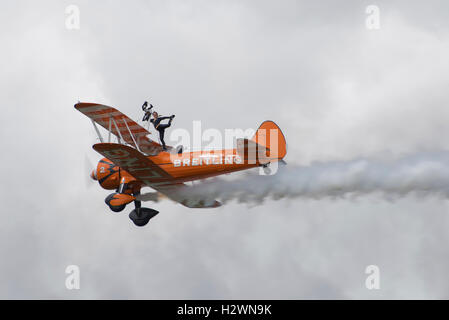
x: 270, y: 136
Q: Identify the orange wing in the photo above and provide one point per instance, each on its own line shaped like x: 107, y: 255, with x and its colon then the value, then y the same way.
x: 135, y: 163
x: 145, y: 170
x: 120, y: 125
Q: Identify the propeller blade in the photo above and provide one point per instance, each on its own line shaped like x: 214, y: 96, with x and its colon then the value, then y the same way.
x: 89, y: 167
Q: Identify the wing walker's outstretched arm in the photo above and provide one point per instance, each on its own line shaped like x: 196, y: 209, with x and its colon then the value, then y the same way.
x: 147, y: 111
x: 145, y: 106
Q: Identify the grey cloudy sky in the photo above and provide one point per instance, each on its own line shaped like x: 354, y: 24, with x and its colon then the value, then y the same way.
x: 336, y: 89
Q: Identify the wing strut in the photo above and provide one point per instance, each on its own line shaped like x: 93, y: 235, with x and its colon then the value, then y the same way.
x: 110, y: 129
x: 119, y: 133
x: 131, y: 134
x: 113, y: 121
x: 98, y: 132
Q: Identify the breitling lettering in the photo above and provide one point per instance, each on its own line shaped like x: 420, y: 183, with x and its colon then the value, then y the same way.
x: 207, y: 160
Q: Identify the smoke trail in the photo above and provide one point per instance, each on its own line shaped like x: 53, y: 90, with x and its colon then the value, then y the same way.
x: 420, y: 174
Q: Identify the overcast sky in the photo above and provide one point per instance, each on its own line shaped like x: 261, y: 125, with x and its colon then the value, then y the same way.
x: 337, y: 89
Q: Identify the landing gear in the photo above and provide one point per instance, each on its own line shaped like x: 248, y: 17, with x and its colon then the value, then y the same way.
x: 266, y: 169
x: 141, y: 216
x: 113, y: 208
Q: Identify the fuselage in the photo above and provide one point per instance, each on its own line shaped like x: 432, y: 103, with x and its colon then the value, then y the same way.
x: 190, y: 166
x: 187, y: 166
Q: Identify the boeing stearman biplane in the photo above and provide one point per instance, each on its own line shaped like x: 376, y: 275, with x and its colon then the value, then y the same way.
x: 136, y: 161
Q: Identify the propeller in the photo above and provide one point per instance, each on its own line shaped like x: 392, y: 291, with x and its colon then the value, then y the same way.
x: 89, y: 171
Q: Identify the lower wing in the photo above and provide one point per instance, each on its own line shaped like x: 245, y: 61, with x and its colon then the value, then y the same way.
x: 145, y: 170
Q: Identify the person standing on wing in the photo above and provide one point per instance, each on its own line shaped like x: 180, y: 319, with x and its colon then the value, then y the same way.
x: 161, y: 127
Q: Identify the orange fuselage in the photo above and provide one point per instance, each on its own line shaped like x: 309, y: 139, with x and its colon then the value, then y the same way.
x: 187, y: 166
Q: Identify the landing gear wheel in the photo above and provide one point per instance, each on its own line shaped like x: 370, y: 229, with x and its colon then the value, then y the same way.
x: 141, y: 216
x: 113, y: 208
x: 117, y: 208
x: 267, y: 171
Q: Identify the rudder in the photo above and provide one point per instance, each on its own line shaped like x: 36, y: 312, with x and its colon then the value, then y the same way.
x: 270, y: 136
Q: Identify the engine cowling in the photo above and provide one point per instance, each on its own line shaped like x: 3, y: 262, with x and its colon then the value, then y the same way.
x: 107, y: 174
x: 112, y: 177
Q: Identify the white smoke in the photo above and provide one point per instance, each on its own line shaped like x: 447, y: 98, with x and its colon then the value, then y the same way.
x: 424, y: 174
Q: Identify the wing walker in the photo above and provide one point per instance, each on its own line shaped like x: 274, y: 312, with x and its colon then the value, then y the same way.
x: 136, y: 161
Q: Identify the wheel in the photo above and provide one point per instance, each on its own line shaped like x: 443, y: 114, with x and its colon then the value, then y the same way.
x: 117, y: 208
x: 113, y: 208
x: 267, y: 170
x: 144, y: 216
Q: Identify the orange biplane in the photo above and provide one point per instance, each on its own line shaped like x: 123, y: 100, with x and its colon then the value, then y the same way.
x: 137, y: 161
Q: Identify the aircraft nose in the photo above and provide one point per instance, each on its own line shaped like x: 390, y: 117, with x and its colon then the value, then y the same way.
x: 93, y: 174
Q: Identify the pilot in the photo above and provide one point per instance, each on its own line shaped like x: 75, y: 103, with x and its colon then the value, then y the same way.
x: 160, y: 126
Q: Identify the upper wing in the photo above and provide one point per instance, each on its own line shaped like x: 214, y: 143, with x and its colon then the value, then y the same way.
x: 120, y: 125
x: 145, y: 170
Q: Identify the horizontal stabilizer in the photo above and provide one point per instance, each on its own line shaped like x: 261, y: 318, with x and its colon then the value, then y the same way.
x: 251, y: 151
